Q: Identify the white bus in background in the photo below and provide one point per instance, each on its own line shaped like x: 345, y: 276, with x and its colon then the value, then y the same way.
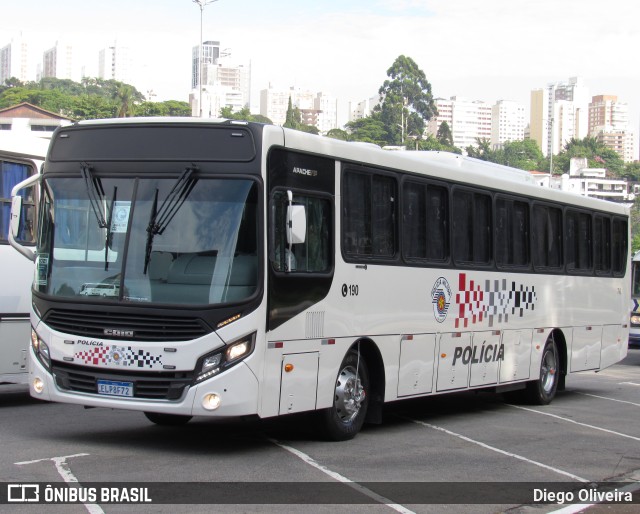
x: 264, y: 271
x: 20, y: 157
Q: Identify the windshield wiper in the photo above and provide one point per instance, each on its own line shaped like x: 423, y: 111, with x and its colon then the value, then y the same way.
x: 94, y: 192
x: 107, y: 242
x: 160, y: 218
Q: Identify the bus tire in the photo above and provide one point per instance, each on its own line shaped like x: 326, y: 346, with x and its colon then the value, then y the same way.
x: 543, y: 390
x: 344, y: 419
x: 167, y: 420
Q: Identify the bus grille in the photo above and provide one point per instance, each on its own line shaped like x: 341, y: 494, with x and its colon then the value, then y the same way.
x: 158, y: 385
x: 145, y: 328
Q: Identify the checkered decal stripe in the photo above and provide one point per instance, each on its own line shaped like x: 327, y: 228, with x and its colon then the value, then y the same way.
x: 120, y: 356
x: 494, y: 302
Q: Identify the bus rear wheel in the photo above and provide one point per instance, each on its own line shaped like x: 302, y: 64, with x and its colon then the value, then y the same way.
x: 345, y: 418
x: 543, y: 390
x: 167, y: 420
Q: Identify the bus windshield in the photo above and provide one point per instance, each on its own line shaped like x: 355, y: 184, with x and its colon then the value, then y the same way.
x: 160, y: 240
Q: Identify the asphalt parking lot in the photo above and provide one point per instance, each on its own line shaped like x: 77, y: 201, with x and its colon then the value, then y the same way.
x: 464, y: 450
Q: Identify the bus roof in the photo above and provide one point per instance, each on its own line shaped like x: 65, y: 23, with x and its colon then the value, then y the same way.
x: 26, y: 146
x: 440, y: 165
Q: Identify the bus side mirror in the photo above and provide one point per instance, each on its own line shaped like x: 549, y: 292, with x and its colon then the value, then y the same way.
x: 16, y: 212
x: 296, y: 224
x: 16, y: 215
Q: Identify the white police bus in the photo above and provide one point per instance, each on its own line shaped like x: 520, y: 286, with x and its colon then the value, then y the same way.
x: 264, y: 271
x: 21, y: 156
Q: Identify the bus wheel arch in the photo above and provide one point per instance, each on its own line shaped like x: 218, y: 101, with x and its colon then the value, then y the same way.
x: 552, y: 371
x: 356, y: 390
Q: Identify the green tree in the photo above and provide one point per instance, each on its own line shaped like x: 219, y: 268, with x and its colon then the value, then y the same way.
x: 406, y: 101
x: 125, y: 100
x: 243, y: 114
x: 340, y: 134
x: 293, y: 120
x: 632, y: 171
x: 596, y: 153
x: 444, y: 135
x: 482, y: 150
x: 370, y: 129
x: 433, y: 144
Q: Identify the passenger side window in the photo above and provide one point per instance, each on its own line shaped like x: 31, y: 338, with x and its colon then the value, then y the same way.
x: 579, y: 254
x: 472, y: 227
x: 12, y: 174
x: 512, y: 232
x: 620, y: 246
x: 369, y: 215
x: 602, y: 244
x: 547, y: 237
x: 425, y: 215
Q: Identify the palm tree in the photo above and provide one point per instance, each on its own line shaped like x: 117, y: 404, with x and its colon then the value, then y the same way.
x: 125, y: 101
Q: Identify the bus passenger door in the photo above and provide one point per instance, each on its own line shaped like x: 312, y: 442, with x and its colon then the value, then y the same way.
x: 454, y: 358
x: 586, y: 348
x: 516, y: 363
x: 417, y: 359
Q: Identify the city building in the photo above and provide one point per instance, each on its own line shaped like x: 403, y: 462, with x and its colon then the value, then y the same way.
x: 18, y: 59
x: 225, y: 83
x: 609, y: 124
x: 274, y: 102
x: 59, y: 61
x: 469, y: 120
x: 363, y: 108
x: 507, y: 122
x: 559, y: 112
x: 114, y: 62
x: 587, y: 181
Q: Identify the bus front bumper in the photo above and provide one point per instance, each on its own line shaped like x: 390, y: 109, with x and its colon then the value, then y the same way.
x: 230, y: 394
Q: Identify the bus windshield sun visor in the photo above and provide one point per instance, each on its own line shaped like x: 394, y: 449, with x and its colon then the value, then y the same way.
x: 160, y: 218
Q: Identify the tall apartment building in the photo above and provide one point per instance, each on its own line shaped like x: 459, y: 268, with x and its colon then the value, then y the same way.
x: 210, y: 54
x: 114, y: 62
x: 507, y: 122
x: 469, y: 120
x: 18, y: 59
x: 609, y: 123
x: 559, y: 112
x: 59, y: 62
x: 225, y: 83
x: 274, y: 102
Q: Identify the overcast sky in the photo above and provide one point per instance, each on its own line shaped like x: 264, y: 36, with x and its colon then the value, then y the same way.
x: 480, y: 49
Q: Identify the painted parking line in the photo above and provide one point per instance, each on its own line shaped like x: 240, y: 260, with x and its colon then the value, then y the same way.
x: 629, y: 383
x: 607, y: 398
x: 613, y: 432
x: 62, y: 467
x: 498, y: 450
x: 341, y: 478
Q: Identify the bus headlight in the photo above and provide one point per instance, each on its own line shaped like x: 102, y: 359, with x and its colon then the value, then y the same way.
x: 213, y: 363
x: 635, y: 319
x: 41, y: 350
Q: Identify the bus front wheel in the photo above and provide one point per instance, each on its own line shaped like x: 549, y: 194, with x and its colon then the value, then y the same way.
x: 543, y: 390
x: 344, y: 419
x: 168, y: 420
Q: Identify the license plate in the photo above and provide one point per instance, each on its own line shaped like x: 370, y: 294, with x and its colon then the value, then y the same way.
x: 113, y: 388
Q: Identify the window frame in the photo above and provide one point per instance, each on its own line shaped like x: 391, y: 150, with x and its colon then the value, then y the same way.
x: 350, y: 256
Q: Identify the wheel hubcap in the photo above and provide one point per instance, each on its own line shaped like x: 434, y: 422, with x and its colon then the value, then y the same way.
x: 548, y: 370
x: 349, y: 394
